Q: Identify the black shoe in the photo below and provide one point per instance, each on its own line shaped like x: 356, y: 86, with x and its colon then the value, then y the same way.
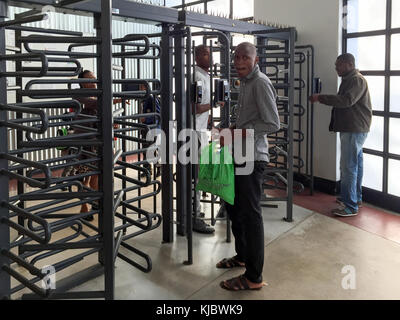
x: 63, y: 188
x: 202, y: 227
x: 88, y: 218
x: 144, y: 174
x: 221, y: 212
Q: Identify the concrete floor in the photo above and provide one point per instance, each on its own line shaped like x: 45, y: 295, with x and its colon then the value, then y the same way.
x: 303, y: 260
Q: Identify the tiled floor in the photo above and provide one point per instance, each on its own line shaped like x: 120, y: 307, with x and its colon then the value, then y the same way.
x: 304, y: 259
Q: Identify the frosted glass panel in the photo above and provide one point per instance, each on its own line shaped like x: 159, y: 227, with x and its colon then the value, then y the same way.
x: 394, y: 137
x: 197, y: 8
x: 395, y: 13
x: 243, y: 8
x: 171, y: 3
x: 375, y: 136
x: 368, y: 51
x: 376, y: 86
x: 365, y: 15
x: 394, y: 94
x: 373, y: 167
x: 395, y: 57
x: 218, y: 7
x: 394, y: 177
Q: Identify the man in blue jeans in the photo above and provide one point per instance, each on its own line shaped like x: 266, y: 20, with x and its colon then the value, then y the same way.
x: 351, y: 116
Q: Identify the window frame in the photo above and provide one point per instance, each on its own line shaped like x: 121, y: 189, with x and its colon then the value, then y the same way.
x: 387, y: 73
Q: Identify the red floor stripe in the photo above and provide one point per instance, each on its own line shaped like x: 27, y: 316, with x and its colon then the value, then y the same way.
x: 377, y: 221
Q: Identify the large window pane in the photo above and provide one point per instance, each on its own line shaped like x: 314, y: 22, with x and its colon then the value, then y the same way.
x: 368, y: 51
x: 395, y: 13
x: 394, y: 177
x: 394, y: 94
x: 373, y: 167
x: 376, y: 86
x: 394, y: 56
x: 370, y: 54
x: 394, y: 137
x: 375, y: 136
x: 366, y: 15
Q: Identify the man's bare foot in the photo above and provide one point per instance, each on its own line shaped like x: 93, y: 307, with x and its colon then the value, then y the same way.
x: 84, y: 208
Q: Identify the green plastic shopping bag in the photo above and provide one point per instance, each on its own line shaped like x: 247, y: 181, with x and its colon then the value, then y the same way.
x: 216, y: 173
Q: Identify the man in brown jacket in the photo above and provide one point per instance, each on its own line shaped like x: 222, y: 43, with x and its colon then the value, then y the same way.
x: 351, y: 116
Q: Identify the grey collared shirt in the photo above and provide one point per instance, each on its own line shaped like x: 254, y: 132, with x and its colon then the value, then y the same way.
x: 257, y: 110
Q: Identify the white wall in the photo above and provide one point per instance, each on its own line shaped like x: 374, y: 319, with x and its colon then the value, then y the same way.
x: 317, y: 23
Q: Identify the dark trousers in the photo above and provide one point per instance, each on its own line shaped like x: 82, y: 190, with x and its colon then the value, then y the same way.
x: 247, y: 222
x: 145, y: 145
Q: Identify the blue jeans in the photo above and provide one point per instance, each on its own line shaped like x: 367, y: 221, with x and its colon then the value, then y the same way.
x: 351, y: 168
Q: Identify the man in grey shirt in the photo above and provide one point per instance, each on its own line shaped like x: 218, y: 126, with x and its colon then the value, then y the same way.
x: 258, y: 112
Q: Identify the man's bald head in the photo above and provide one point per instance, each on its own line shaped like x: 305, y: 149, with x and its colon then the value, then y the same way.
x: 344, y: 64
x: 247, y: 47
x: 347, y: 58
x: 245, y: 58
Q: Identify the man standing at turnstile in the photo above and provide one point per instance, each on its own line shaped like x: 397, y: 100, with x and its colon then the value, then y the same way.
x: 257, y: 116
x: 202, y: 57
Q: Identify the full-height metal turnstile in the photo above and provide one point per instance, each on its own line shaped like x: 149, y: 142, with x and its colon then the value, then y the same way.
x: 124, y: 181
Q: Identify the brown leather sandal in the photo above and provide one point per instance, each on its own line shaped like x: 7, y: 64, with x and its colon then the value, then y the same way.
x: 228, y: 263
x: 237, y: 284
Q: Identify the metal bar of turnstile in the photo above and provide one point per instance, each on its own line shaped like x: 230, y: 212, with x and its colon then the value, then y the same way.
x: 291, y: 45
x: 180, y: 102
x: 124, y: 171
x: 5, y: 282
x: 106, y: 219
x: 43, y: 30
x: 19, y: 99
x: 29, y: 19
x: 166, y: 114
x: 189, y: 166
